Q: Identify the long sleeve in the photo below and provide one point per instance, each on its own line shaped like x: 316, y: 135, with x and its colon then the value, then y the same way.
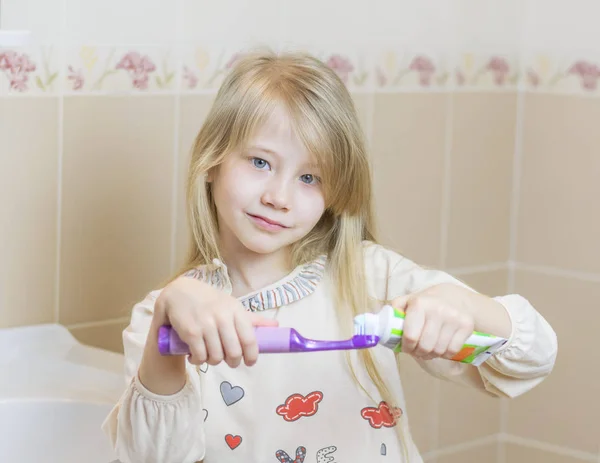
x: 521, y: 364
x: 148, y: 428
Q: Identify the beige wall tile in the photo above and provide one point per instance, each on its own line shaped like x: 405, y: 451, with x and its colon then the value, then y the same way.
x: 485, y: 453
x: 562, y: 410
x: 558, y: 220
x: 28, y: 179
x: 491, y: 283
x: 108, y: 336
x: 193, y: 111
x: 466, y: 414
x: 362, y: 103
x: 117, y: 196
x: 409, y: 133
x: 519, y: 454
x: 419, y: 389
x: 483, y: 145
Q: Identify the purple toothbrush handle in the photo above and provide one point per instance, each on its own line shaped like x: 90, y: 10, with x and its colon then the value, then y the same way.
x: 270, y: 340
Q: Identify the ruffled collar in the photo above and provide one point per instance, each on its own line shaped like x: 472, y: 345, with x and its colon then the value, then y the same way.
x: 300, y: 283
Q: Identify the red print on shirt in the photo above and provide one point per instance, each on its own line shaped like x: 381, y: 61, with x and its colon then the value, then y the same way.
x: 381, y: 416
x: 298, y: 405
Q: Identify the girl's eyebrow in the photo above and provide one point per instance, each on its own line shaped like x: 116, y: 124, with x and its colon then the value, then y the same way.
x: 263, y: 149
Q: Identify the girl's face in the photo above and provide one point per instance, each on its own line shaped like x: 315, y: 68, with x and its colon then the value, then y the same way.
x: 269, y: 195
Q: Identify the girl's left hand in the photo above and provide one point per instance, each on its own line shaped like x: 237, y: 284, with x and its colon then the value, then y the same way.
x: 438, y: 320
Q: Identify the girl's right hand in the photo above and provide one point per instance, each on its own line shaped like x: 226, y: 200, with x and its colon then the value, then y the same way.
x: 214, y: 325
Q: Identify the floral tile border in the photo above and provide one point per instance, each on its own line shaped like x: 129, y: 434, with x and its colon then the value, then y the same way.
x: 489, y: 72
x: 120, y: 69
x: 549, y: 74
x: 29, y: 70
x: 404, y: 70
x: 129, y: 70
x: 204, y: 70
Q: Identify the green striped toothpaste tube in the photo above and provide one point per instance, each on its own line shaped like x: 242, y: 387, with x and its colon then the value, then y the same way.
x: 388, y: 324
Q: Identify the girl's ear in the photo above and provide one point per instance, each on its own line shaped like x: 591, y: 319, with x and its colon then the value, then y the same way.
x: 210, y: 175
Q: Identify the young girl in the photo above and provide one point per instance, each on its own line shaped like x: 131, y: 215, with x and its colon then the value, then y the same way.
x: 279, y: 198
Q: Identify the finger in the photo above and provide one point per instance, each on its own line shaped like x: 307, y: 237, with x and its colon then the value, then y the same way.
x: 197, y: 352
x: 191, y: 333
x: 258, y: 320
x: 230, y: 342
x: 247, y: 338
x: 214, y: 349
x: 446, y: 334
x: 458, y: 341
x: 414, y: 321
x: 429, y: 337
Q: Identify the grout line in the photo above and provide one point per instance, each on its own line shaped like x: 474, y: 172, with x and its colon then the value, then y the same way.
x: 500, y: 451
x: 516, y: 186
x: 358, y: 91
x: 491, y: 439
x: 478, y: 268
x: 546, y: 447
x: 513, y: 231
x: 447, y: 181
x: 179, y: 32
x: 111, y: 321
x: 60, y: 157
x: 555, y: 271
x: 503, y: 438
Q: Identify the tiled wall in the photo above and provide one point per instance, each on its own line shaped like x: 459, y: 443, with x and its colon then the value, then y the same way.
x: 479, y: 116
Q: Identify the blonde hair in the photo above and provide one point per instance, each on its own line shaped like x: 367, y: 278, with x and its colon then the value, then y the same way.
x: 325, y: 119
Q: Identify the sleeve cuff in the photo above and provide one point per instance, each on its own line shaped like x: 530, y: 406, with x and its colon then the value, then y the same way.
x: 186, y: 390
x: 523, y: 326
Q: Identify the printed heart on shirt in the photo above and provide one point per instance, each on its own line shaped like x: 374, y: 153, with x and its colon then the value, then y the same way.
x: 203, y: 368
x: 233, y: 441
x: 205, y: 413
x: 231, y: 394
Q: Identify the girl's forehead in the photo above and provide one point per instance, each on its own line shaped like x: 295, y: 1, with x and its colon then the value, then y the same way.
x: 277, y: 124
x: 278, y: 136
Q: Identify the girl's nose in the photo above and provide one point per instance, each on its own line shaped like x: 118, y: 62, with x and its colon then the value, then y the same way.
x: 277, y: 194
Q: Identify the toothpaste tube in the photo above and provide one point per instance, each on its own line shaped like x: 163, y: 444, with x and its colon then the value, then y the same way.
x: 388, y: 324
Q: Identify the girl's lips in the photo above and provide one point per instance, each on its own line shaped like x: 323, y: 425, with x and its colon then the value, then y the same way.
x: 268, y: 224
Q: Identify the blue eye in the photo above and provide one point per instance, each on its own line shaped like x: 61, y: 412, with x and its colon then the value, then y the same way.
x: 259, y: 163
x: 310, y: 179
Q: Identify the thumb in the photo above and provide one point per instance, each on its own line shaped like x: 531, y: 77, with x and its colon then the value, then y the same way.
x: 258, y: 320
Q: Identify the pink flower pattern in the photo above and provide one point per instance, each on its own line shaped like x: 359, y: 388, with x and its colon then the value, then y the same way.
x: 139, y: 67
x: 17, y: 68
x: 425, y: 68
x: 341, y: 65
x: 381, y: 77
x: 76, y: 77
x: 533, y: 78
x: 190, y: 77
x: 588, y: 72
x: 500, y: 68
